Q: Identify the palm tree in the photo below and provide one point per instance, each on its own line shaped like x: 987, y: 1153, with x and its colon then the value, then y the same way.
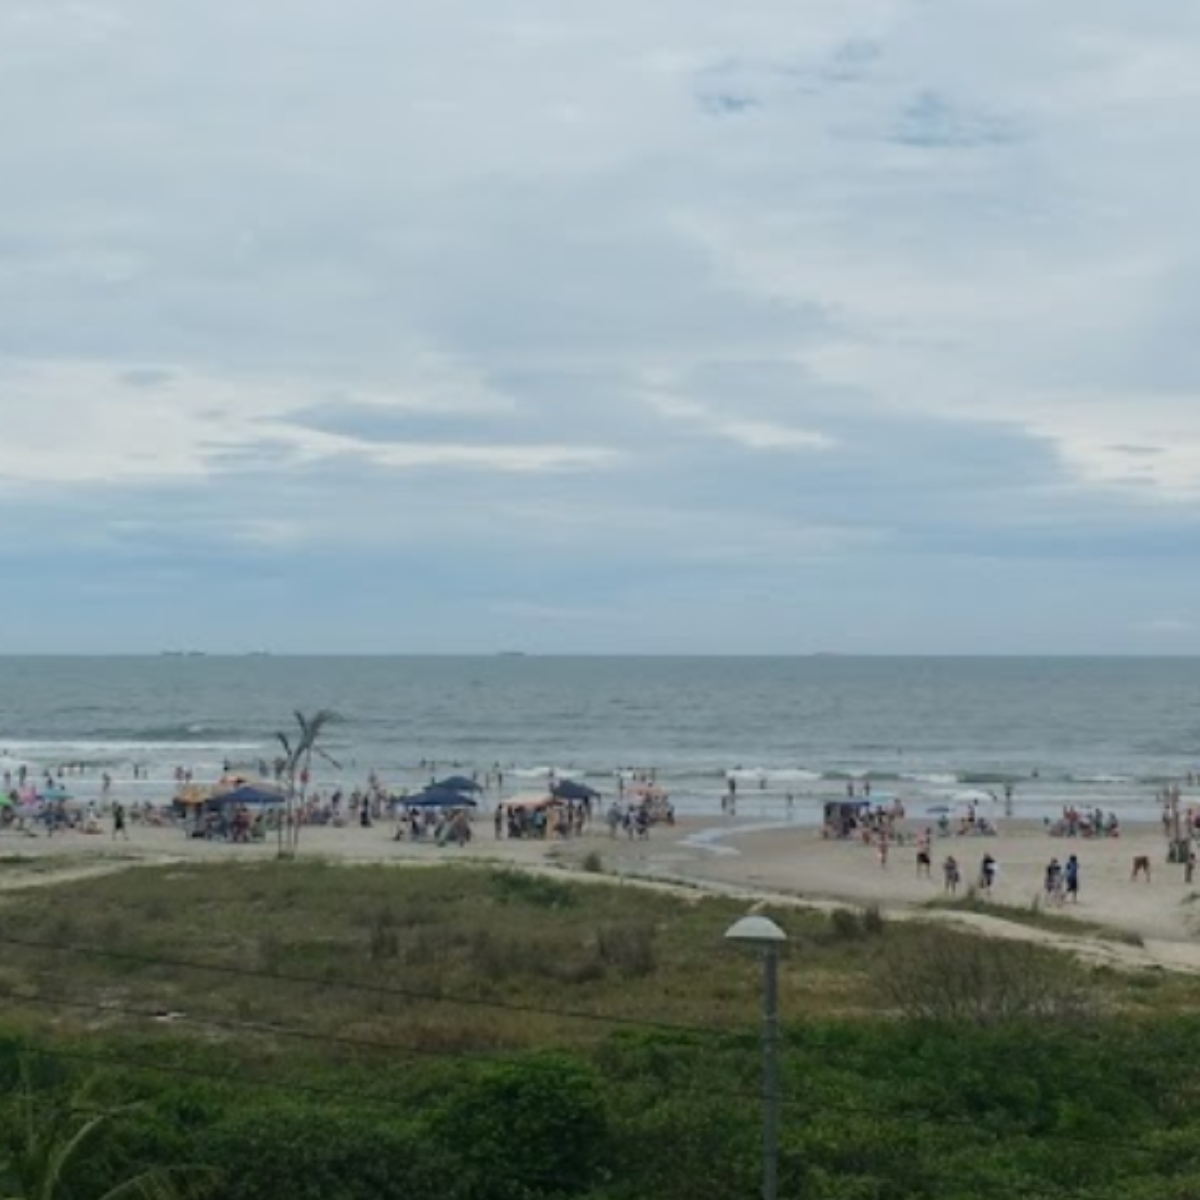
x: 296, y: 765
x: 44, y: 1142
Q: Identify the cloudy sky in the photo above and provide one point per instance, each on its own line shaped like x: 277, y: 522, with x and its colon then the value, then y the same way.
x: 461, y: 325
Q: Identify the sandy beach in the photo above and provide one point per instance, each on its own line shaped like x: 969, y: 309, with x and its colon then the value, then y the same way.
x: 749, y: 857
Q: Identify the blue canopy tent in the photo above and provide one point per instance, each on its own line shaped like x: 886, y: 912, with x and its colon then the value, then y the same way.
x: 568, y: 789
x: 455, y: 783
x: 248, y: 795
x: 438, y: 798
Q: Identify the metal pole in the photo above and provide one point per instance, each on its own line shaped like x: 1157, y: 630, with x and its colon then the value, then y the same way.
x: 770, y: 1072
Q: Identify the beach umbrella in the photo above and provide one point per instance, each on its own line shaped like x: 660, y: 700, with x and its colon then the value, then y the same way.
x: 249, y: 796
x: 455, y: 783
x: 568, y: 789
x: 973, y: 796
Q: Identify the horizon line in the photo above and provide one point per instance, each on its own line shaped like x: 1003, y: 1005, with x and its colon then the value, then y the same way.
x: 193, y: 655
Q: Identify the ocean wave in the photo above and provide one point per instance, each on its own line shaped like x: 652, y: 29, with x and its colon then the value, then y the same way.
x: 773, y: 774
x: 937, y: 778
x: 74, y: 750
x: 189, y: 733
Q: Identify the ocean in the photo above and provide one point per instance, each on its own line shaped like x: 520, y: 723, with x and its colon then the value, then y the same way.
x: 1106, y: 731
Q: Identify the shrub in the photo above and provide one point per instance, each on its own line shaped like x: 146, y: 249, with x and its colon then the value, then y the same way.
x: 844, y: 926
x: 629, y: 948
x: 854, y: 925
x: 521, y: 1131
x: 538, y: 891
x: 384, y: 942
x: 948, y: 976
x: 872, y: 919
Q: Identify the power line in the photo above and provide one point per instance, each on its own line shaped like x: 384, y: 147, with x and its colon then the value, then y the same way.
x: 286, y: 1032
x: 350, y: 985
x: 240, y: 1079
x: 259, y: 1028
x: 263, y: 1029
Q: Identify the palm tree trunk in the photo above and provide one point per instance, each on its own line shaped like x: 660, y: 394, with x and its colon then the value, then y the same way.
x: 305, y: 776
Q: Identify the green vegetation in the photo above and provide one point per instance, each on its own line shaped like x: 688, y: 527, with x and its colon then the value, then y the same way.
x: 453, y: 1033
x: 54, y: 1138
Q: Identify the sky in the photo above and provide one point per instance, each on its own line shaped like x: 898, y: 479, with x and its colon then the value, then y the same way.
x: 686, y: 327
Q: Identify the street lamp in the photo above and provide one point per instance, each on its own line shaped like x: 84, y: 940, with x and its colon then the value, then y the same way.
x: 765, y: 936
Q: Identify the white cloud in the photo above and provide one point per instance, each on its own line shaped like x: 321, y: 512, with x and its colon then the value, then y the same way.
x: 108, y: 424
x: 747, y: 432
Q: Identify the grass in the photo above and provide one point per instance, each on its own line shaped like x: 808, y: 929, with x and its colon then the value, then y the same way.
x: 503, y: 940
x: 452, y: 959
x: 1035, y: 916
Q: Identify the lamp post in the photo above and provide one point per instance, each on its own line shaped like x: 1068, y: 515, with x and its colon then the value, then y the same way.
x: 764, y: 935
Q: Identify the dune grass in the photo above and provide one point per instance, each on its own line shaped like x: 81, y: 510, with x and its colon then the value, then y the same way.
x: 504, y: 942
x: 454, y: 959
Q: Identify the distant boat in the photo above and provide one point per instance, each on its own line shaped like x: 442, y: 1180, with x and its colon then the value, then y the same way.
x: 512, y: 654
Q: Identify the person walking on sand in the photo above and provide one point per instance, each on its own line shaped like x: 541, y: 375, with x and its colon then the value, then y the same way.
x: 882, y: 848
x: 1053, y: 885
x: 1071, y: 879
x: 950, y: 874
x: 924, y: 860
x: 987, y: 874
x: 118, y: 818
x: 613, y: 819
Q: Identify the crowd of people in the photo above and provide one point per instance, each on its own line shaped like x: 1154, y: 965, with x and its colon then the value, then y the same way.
x: 1087, y: 824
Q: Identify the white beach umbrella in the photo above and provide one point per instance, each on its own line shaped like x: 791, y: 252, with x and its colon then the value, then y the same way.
x: 973, y: 796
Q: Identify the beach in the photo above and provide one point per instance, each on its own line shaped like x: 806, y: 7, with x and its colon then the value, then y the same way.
x: 760, y: 860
